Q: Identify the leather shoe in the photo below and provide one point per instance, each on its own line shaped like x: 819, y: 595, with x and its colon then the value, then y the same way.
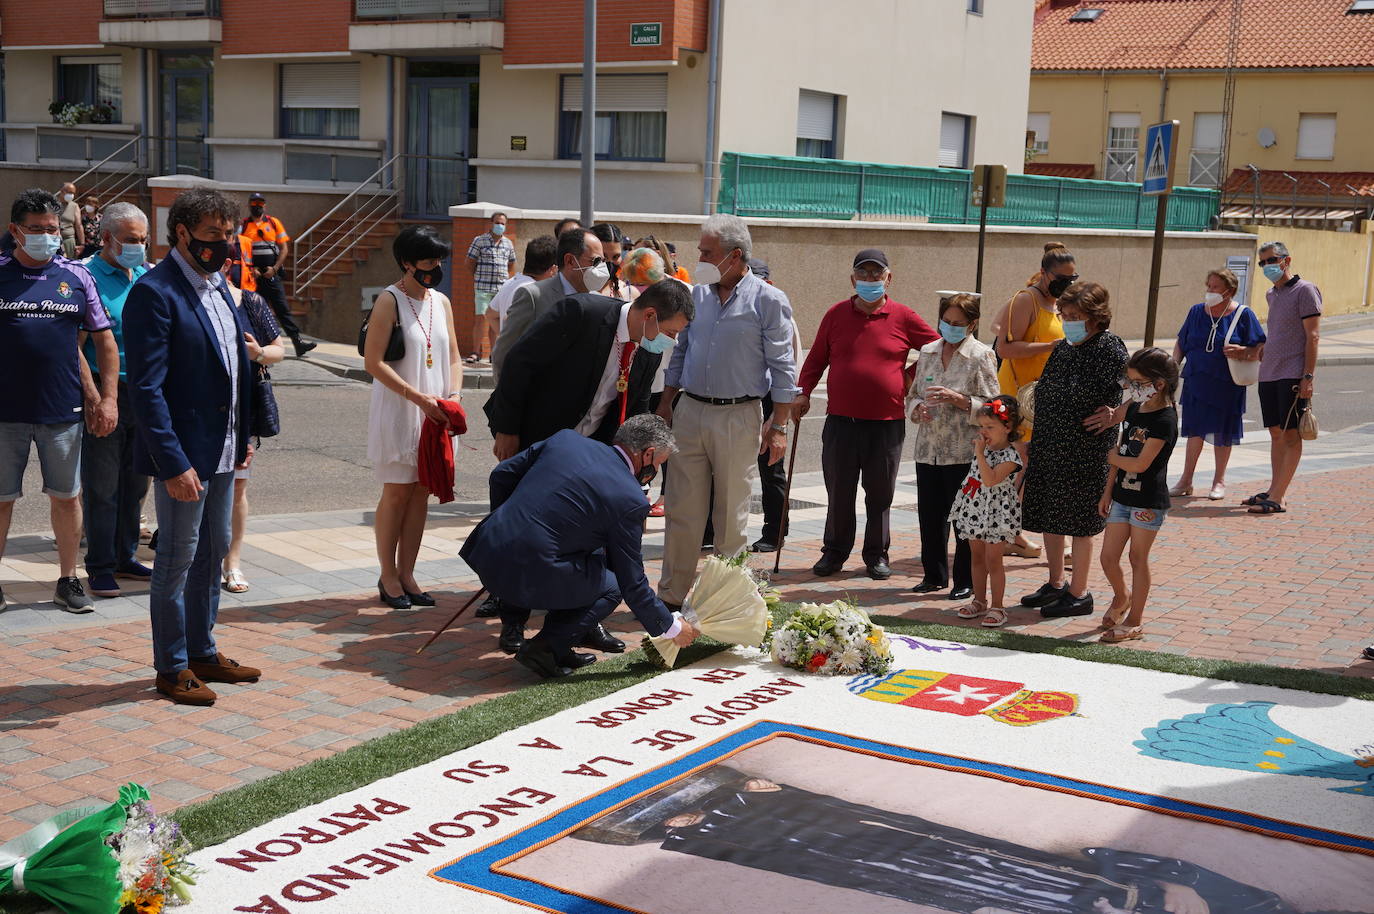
x: 598, y: 639
x: 961, y: 593
x: 826, y: 567
x: 420, y: 599
x: 879, y: 571
x: 574, y: 660
x: 1069, y: 605
x: 540, y: 659
x: 185, y: 689
x: 490, y: 608
x: 224, y: 670
x: 763, y: 546
x: 512, y: 638
x: 1046, y: 595
x: 927, y: 587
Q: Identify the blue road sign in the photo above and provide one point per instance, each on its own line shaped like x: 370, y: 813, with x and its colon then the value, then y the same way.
x: 1159, y: 157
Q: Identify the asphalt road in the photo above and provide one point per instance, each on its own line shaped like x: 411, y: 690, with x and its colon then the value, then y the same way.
x: 319, y: 462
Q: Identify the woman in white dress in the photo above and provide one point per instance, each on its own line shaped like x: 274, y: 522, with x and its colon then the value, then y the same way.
x: 405, y: 392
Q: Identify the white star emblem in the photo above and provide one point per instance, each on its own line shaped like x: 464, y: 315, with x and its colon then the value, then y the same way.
x: 962, y: 694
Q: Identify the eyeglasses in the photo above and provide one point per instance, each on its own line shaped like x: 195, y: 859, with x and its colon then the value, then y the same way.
x: 39, y: 229
x: 1270, y: 260
x: 871, y: 275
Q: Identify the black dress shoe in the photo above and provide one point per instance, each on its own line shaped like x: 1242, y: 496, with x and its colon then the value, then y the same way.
x: 303, y: 348
x: 1367, y: 653
x: 826, y: 567
x: 598, y: 639
x: 420, y: 599
x: 540, y: 659
x: 961, y: 593
x: 512, y: 638
x: 401, y: 602
x: 1046, y: 595
x: 879, y: 571
x: 573, y: 660
x: 490, y: 608
x: 927, y: 587
x: 1069, y: 605
x: 763, y: 546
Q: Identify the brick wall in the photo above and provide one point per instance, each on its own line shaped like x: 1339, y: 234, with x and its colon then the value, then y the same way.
x: 550, y: 31
x: 71, y: 22
x: 298, y: 26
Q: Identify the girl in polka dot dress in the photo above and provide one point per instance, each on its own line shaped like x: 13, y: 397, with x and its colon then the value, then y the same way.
x: 987, y: 510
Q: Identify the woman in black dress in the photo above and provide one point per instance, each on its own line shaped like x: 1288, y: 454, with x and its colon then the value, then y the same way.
x: 1067, y: 469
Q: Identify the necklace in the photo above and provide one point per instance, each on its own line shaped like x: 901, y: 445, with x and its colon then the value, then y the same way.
x: 1216, y: 323
x: 428, y: 331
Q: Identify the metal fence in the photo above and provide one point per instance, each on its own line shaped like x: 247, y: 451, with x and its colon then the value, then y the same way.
x: 803, y: 188
x: 428, y: 9
x: 157, y: 9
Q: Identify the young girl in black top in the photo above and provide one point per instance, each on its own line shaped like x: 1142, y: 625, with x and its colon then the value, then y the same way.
x: 1136, y: 499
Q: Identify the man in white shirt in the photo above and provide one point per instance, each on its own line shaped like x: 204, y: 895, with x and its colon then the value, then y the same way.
x: 541, y: 262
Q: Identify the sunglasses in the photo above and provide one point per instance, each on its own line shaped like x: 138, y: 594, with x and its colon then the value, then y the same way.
x: 1270, y: 260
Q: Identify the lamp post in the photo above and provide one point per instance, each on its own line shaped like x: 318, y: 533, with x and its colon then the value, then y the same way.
x: 588, y: 111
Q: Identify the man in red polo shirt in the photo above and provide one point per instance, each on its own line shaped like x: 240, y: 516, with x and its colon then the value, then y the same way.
x: 865, y: 341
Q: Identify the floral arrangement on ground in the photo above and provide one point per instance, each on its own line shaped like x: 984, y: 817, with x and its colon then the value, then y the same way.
x: 836, y: 638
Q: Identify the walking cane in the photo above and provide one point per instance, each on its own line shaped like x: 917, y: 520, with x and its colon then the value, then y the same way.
x: 453, y: 620
x: 787, y: 498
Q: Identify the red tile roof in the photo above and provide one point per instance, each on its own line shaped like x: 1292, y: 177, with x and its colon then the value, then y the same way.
x: 1194, y: 34
x: 1061, y: 169
x: 1273, y: 184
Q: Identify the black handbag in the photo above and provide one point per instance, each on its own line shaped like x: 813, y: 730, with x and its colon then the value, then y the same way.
x: 395, y: 346
x: 266, y: 418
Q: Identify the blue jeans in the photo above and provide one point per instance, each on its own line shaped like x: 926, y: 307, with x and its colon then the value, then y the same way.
x: 192, y: 538
x: 112, y: 494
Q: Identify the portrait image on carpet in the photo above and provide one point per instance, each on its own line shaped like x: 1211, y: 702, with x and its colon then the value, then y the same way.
x: 800, y: 823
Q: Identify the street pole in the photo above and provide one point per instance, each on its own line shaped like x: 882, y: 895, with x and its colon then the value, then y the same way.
x: 1156, y: 261
x: 982, y: 238
x: 588, y: 111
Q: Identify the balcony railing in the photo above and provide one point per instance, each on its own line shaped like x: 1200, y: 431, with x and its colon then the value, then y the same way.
x: 161, y: 9
x: 368, y: 10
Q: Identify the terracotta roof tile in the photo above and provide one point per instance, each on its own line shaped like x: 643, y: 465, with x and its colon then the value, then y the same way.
x: 1061, y: 169
x: 1193, y: 34
x: 1274, y: 184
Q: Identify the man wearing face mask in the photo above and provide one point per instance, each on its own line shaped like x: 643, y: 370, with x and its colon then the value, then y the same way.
x: 565, y: 534
x: 48, y: 301
x: 588, y: 365
x: 738, y: 349
x: 491, y: 261
x: 581, y: 268
x: 189, y: 379
x: 864, y: 341
x: 112, y: 493
x: 271, y: 246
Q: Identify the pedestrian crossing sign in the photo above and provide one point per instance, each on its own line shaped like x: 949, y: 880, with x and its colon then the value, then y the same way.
x: 1160, y: 147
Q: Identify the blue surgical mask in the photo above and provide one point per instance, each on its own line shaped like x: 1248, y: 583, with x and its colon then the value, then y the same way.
x: 1273, y: 272
x: 870, y: 291
x: 131, y: 255
x: 1075, y: 331
x: 41, y: 246
x: 498, y: 228
x: 657, y: 344
x: 952, y: 334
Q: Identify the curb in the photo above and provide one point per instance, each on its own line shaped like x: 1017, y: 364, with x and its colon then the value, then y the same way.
x: 472, y: 380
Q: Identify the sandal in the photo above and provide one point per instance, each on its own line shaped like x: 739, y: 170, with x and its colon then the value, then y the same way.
x: 1028, y: 551
x: 1255, y: 499
x: 1114, y: 616
x: 974, y: 610
x: 472, y: 358
x: 996, y: 618
x: 656, y: 510
x: 1265, y: 506
x: 234, y: 581
x: 1122, y: 633
x: 1181, y: 491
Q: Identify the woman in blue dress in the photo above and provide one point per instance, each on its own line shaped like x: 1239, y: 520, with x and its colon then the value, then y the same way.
x: 1212, y: 403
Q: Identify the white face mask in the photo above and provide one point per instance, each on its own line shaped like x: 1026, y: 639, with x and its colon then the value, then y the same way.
x: 68, y: 197
x: 596, y: 277
x: 707, y: 273
x: 1140, y: 394
x: 1212, y: 299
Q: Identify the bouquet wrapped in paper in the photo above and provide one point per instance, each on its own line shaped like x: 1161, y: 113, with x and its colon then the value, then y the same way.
x: 835, y: 638
x: 729, y: 602
x: 118, y: 859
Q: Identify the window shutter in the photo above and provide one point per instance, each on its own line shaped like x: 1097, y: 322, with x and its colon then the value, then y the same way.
x: 1207, y: 131
x: 815, y: 115
x: 640, y: 92
x: 1039, y: 124
x: 320, y: 85
x: 953, y: 140
x: 1316, y: 136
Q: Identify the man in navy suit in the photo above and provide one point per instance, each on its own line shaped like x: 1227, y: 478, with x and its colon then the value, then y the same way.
x: 565, y: 535
x: 191, y: 389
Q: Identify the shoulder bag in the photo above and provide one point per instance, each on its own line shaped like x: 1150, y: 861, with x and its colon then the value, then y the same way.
x: 1025, y: 393
x: 395, y: 345
x: 1307, y: 420
x: 1243, y: 372
x: 266, y: 418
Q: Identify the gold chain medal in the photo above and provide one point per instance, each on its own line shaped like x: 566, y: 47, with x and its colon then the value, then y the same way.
x: 621, y: 384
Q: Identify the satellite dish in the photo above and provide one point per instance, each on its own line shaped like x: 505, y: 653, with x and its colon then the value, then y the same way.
x: 1266, y: 137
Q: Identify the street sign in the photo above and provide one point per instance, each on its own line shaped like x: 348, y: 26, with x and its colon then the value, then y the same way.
x: 1161, y: 146
x: 519, y: 143
x: 646, y: 34
x: 989, y: 181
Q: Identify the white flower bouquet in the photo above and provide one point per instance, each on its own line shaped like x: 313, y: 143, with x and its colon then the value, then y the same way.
x: 836, y: 639
x: 729, y: 602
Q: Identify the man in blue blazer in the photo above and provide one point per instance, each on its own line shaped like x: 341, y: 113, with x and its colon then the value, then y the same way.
x: 191, y: 389
x: 565, y: 535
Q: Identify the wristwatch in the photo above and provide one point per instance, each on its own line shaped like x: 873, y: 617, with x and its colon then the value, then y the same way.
x: 778, y: 428
x: 1307, y: 377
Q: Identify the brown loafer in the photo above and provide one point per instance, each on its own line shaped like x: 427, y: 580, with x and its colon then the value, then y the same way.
x: 225, y: 670
x: 186, y: 689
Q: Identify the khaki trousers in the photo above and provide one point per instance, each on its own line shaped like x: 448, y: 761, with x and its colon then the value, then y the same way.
x: 716, y: 444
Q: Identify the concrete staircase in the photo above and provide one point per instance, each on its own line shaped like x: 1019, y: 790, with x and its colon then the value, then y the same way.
x: 349, y: 246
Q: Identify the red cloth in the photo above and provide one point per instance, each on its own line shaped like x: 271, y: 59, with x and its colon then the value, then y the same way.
x: 866, y: 354
x: 626, y: 353
x: 436, y: 450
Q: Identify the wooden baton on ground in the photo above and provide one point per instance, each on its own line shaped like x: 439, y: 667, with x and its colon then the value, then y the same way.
x: 787, y: 498
x: 446, y: 625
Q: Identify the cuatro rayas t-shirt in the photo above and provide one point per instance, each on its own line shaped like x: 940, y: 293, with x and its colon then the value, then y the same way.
x: 41, y: 311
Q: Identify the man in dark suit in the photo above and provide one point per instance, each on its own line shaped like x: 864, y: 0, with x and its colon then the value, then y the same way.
x: 587, y: 364
x: 191, y: 389
x: 565, y: 534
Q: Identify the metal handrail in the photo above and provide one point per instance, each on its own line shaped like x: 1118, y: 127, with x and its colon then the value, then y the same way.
x: 98, y: 165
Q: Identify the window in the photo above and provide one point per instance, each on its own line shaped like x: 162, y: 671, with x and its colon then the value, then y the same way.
x: 631, y: 117
x: 975, y: 7
x: 816, y: 116
x: 1123, y: 146
x: 320, y: 100
x: 1204, y: 164
x: 1085, y: 15
x: 955, y: 132
x: 1316, y: 136
x: 1039, y: 126
x: 1360, y: 6
x: 93, y: 81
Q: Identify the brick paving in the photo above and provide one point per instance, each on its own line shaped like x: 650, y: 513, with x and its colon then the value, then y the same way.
x: 78, y: 715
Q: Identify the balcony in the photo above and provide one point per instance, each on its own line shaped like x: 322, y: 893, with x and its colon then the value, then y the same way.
x: 426, y: 27
x: 161, y: 23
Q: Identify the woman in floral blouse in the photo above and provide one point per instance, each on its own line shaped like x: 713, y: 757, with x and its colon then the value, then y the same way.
x: 954, y: 376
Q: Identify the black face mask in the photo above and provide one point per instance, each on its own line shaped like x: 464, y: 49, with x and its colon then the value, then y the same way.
x: 256, y: 211
x: 646, y: 474
x: 429, y: 278
x: 208, y: 256
x: 1057, y: 285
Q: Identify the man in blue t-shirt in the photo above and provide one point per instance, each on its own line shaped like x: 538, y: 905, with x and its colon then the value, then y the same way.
x: 45, y: 301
